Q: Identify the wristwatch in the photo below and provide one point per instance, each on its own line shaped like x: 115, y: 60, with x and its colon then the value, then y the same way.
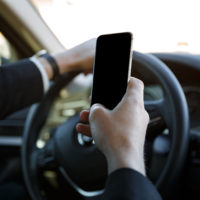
x: 44, y: 54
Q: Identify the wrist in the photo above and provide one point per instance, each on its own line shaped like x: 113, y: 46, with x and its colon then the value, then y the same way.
x: 66, y: 61
x: 128, y: 159
x: 46, y: 67
x: 49, y: 64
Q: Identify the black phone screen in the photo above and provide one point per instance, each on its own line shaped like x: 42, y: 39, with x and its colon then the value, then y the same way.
x: 111, y: 69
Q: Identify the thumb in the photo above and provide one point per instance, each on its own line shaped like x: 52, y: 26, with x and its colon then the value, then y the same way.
x: 135, y: 88
x: 134, y: 93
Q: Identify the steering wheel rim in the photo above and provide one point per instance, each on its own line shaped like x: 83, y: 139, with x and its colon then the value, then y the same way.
x: 180, y: 140
x: 180, y: 125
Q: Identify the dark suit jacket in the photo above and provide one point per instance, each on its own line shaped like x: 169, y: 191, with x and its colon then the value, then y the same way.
x: 21, y: 85
x: 128, y: 184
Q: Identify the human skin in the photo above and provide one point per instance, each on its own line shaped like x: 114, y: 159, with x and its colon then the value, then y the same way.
x: 119, y: 133
x: 79, y: 58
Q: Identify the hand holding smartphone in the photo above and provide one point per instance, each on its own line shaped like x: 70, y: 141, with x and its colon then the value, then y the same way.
x: 112, y: 67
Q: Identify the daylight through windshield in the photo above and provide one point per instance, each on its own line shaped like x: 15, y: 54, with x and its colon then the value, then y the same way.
x: 157, y: 25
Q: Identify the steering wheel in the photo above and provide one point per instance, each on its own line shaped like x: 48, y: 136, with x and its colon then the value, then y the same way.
x: 79, y: 166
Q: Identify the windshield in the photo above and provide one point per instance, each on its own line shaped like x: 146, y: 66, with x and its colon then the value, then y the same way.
x: 157, y: 25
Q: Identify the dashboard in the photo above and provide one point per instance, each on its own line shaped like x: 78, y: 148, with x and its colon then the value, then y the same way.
x: 186, y: 68
x: 192, y: 94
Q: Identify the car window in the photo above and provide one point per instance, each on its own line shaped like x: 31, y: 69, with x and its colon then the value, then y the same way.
x: 157, y: 26
x: 7, y: 51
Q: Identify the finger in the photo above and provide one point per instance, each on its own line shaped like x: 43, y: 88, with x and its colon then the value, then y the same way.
x: 84, y: 116
x: 97, y: 111
x: 83, y: 129
x: 135, y: 86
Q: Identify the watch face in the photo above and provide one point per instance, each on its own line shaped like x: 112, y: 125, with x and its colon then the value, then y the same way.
x: 41, y: 53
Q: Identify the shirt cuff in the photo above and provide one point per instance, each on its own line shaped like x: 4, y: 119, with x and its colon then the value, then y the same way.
x: 44, y: 75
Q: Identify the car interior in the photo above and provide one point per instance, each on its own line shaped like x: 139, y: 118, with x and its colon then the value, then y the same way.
x: 43, y: 157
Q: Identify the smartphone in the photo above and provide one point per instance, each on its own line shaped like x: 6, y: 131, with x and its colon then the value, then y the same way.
x: 112, y: 67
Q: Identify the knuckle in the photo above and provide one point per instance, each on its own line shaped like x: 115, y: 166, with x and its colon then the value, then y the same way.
x: 139, y: 108
x: 136, y: 102
x: 139, y: 104
x: 136, y: 85
x: 134, y: 81
x: 96, y: 111
x: 139, y: 83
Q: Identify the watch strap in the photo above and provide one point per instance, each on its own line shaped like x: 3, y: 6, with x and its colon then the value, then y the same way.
x: 53, y: 64
x: 44, y: 54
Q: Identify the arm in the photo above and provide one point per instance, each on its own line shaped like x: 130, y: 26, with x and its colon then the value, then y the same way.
x: 120, y: 135
x: 80, y: 58
x: 128, y: 184
x: 20, y: 86
x: 21, y: 83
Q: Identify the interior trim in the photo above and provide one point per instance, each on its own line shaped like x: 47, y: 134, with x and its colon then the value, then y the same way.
x: 15, y: 141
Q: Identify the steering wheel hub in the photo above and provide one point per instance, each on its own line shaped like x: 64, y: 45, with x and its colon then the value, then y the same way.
x: 84, y: 140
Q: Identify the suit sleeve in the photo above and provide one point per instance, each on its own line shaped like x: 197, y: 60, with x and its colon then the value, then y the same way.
x: 127, y: 184
x: 20, y: 86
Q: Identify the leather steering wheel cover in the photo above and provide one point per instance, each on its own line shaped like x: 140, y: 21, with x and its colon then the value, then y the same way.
x: 180, y: 138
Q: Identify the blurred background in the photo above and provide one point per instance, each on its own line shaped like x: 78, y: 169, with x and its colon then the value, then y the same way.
x: 157, y: 25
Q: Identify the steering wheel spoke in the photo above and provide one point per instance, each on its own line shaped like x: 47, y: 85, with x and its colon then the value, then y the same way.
x: 160, y: 115
x: 45, y: 157
x: 154, y: 110
x: 156, y: 115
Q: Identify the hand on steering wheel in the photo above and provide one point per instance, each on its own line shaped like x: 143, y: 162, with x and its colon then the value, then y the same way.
x: 63, y: 151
